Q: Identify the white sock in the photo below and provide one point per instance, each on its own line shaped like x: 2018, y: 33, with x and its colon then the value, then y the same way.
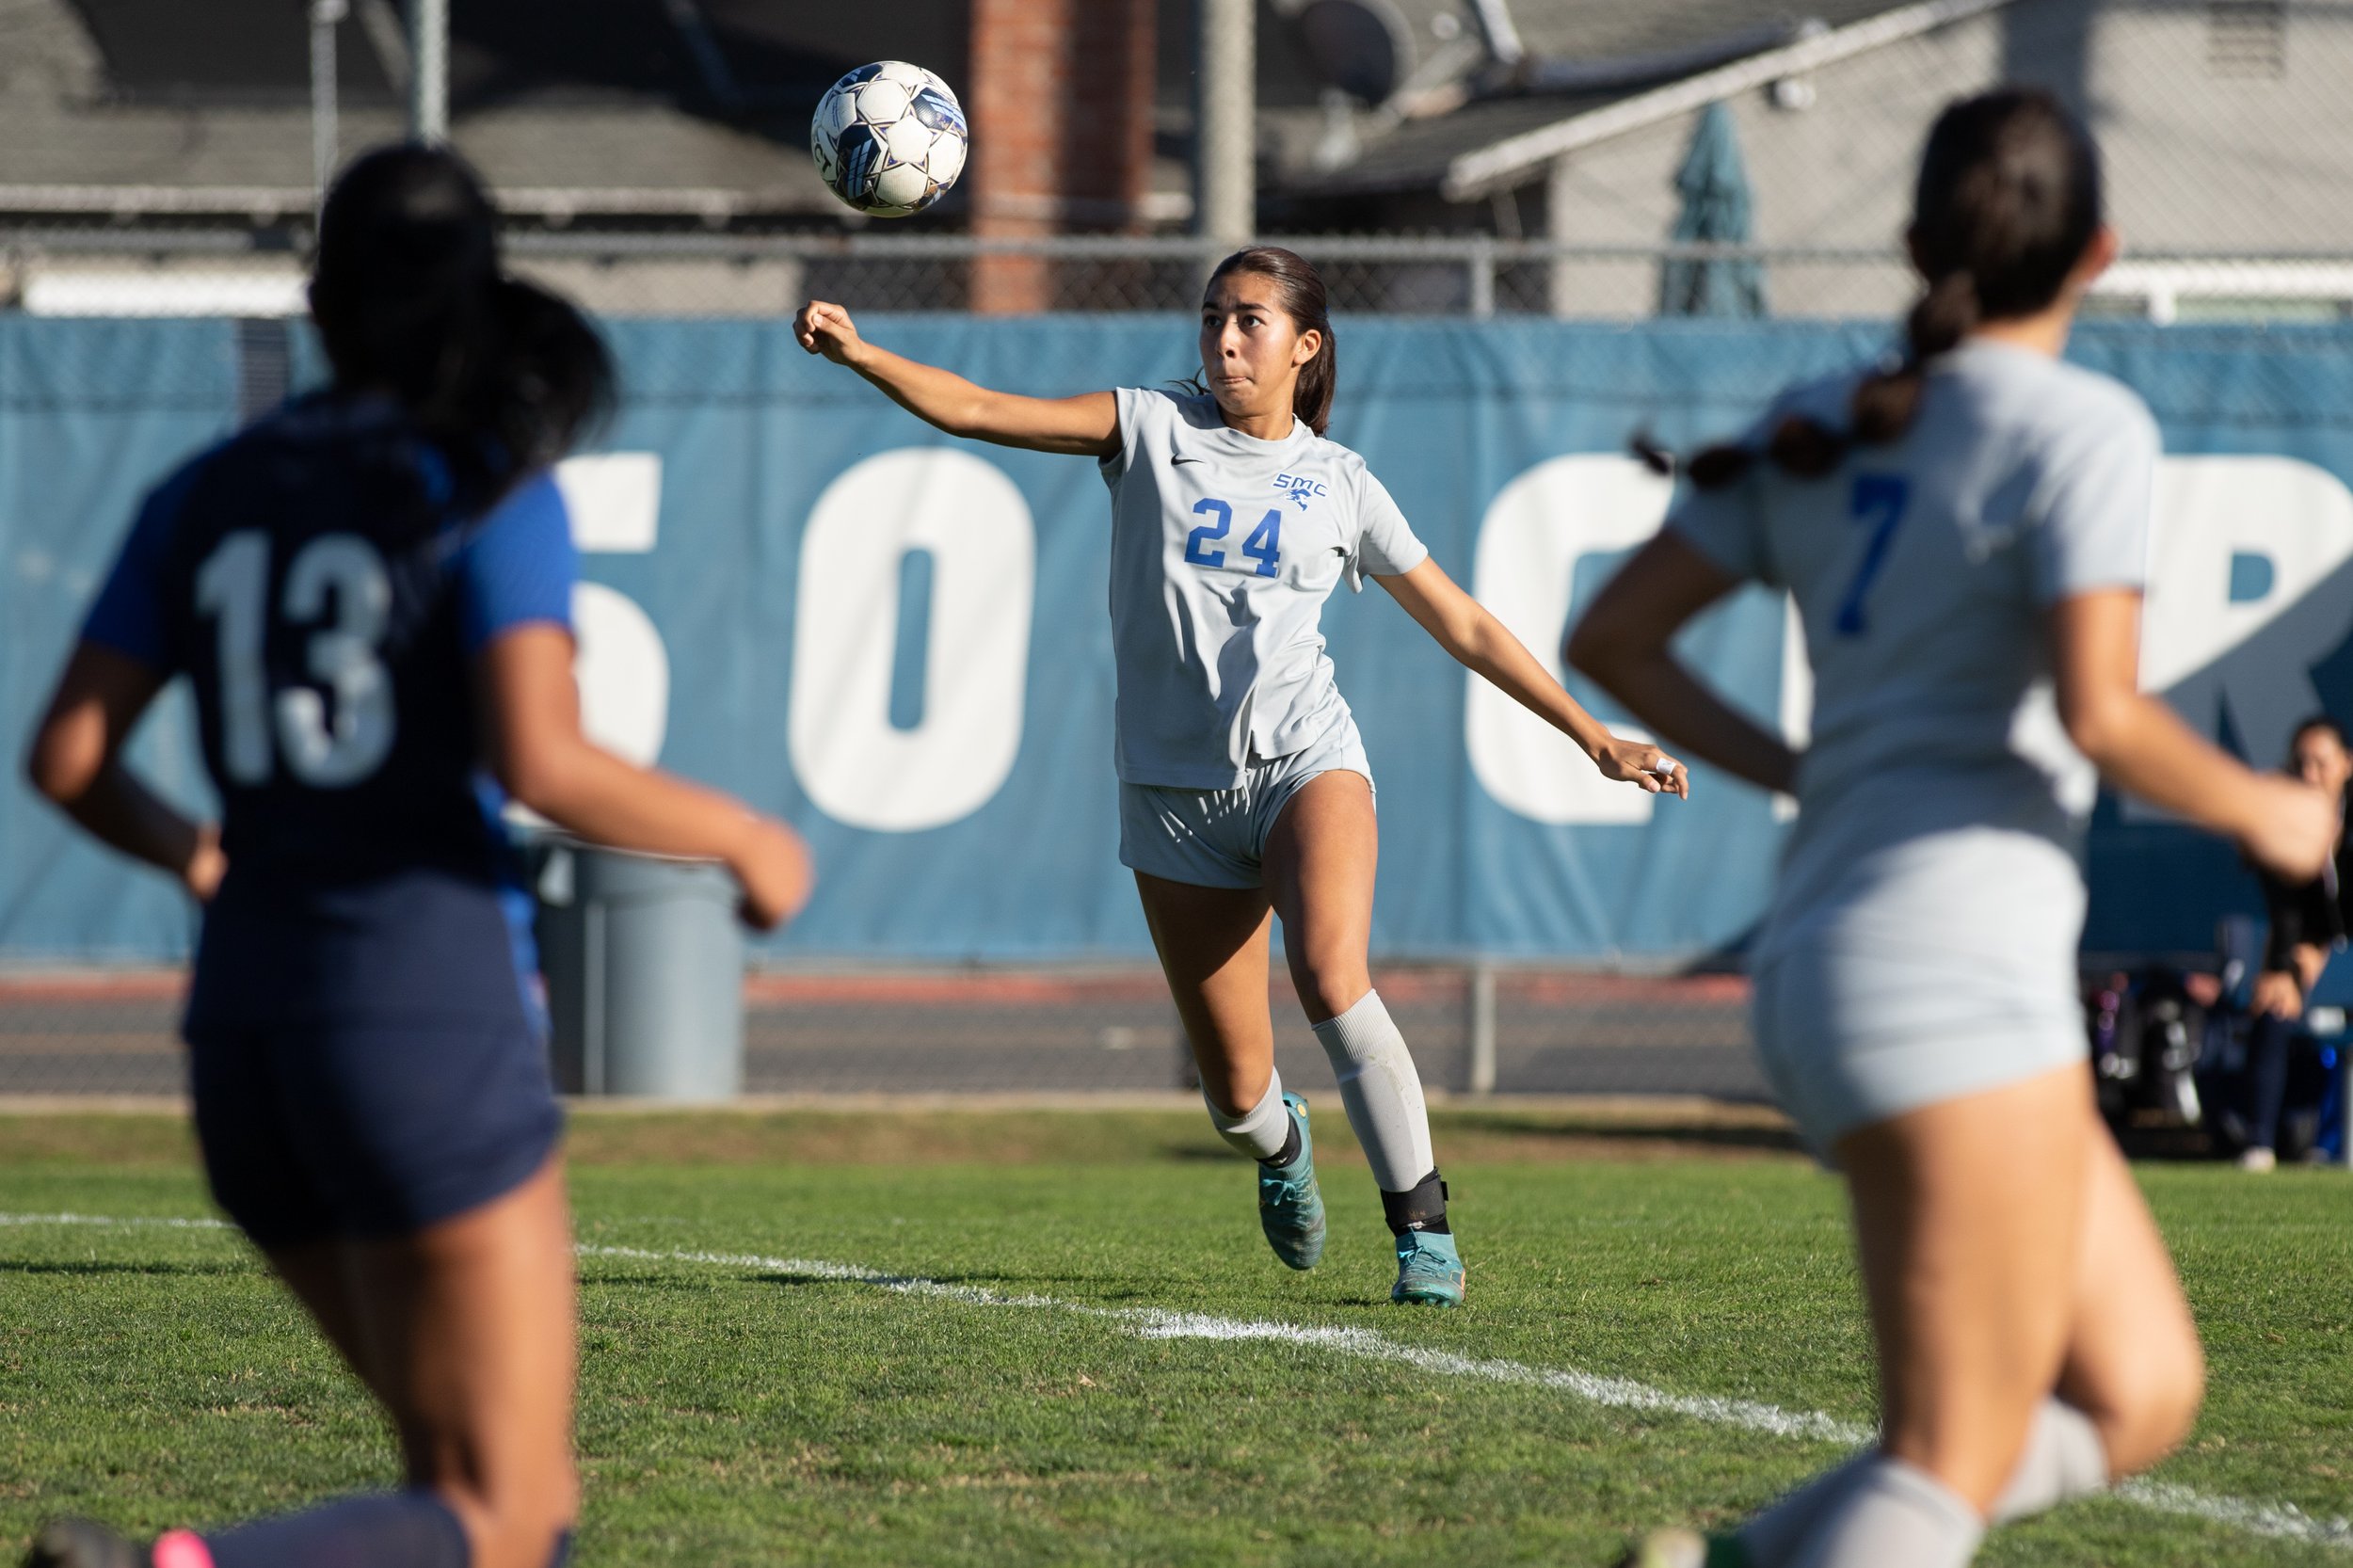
x: 1382, y: 1092
x: 1893, y: 1514
x: 1261, y: 1131
x: 2063, y: 1458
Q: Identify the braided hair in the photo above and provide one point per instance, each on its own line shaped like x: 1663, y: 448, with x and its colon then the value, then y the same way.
x: 2007, y: 202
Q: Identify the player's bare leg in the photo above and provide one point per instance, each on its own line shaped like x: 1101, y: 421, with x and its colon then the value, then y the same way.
x: 316, y: 1272
x: 2133, y: 1368
x: 1320, y: 858
x: 465, y: 1331
x: 469, y: 1325
x: 1996, y: 1238
x: 1320, y: 861
x: 1212, y: 943
x: 1969, y: 1224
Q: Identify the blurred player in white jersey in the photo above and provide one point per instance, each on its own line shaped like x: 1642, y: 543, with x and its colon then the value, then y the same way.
x: 1966, y: 533
x: 1244, y: 791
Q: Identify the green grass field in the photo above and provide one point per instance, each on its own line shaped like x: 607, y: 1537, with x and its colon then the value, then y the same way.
x: 1053, y: 1404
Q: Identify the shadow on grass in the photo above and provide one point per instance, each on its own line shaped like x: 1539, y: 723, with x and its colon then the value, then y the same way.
x: 1732, y: 1137
x: 94, y: 1267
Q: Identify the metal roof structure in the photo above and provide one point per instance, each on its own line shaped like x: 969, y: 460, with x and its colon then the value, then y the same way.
x: 572, y: 107
x: 1595, y: 71
x: 694, y: 112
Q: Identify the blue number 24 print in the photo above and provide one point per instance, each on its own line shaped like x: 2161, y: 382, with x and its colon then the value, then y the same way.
x: 1264, y: 545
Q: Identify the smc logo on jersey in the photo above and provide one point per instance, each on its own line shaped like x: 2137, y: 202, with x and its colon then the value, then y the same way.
x: 1299, y: 488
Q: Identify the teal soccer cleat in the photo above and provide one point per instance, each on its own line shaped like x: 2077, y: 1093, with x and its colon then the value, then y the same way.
x: 1428, y: 1270
x: 1685, y: 1550
x: 1291, y: 1205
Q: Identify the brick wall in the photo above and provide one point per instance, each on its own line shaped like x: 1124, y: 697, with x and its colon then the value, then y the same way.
x: 1061, y: 99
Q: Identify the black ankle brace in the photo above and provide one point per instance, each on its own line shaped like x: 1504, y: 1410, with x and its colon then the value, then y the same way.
x: 1422, y: 1209
x: 1290, y: 1144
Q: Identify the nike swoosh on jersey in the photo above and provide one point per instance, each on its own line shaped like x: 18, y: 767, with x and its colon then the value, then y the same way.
x: 1174, y: 458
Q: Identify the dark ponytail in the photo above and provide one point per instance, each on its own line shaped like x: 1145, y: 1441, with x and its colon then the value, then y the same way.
x: 410, y: 300
x: 2007, y: 202
x: 1298, y: 290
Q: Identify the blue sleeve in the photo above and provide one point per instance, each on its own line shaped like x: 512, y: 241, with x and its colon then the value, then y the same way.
x: 128, y: 615
x: 519, y: 566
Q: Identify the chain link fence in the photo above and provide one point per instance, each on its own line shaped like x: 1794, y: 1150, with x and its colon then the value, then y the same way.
x: 2224, y: 128
x: 82, y: 272
x: 1474, y: 1031
x: 2227, y: 136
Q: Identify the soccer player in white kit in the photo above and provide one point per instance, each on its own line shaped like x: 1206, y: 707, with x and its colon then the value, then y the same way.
x: 1244, y: 790
x: 1965, y: 534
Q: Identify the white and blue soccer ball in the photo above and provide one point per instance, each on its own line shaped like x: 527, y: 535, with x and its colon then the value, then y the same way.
x: 889, y: 138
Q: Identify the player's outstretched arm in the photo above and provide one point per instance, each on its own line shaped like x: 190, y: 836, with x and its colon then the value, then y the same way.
x: 1468, y: 630
x: 77, y: 761
x: 2144, y: 748
x: 1621, y: 643
x: 542, y: 758
x: 1087, y: 425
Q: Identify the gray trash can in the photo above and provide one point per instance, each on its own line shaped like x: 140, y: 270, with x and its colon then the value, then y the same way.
x: 644, y: 960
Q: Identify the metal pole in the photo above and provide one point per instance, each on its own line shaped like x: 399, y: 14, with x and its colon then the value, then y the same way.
x: 428, y: 70
x: 1481, y: 1078
x: 592, y: 993
x: 1482, y: 278
x: 1560, y: 272
x: 325, y: 130
x: 1225, y: 194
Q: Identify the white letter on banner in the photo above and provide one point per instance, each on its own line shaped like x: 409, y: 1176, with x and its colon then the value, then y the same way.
x: 859, y: 767
x: 613, y: 499
x: 623, y: 672
x: 1538, y: 527
x: 2241, y: 548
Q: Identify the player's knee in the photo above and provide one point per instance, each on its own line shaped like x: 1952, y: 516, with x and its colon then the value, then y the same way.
x: 1331, y: 983
x: 525, y: 1533
x: 1233, y: 1088
x: 2149, y: 1418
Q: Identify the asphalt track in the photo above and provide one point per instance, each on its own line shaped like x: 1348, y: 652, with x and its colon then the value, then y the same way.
x: 999, y: 1033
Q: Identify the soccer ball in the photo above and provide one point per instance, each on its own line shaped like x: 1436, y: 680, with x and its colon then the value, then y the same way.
x: 889, y: 138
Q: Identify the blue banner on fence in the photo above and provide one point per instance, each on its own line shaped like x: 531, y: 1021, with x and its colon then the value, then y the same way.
x: 899, y: 641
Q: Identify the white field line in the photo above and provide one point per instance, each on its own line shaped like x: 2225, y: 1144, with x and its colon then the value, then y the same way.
x: 2277, y: 1521
x: 1158, y: 1323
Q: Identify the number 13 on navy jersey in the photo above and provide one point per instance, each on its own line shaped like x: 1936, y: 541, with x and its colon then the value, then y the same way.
x: 338, y: 592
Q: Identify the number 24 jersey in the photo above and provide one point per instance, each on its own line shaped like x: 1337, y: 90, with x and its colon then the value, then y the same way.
x: 1224, y: 549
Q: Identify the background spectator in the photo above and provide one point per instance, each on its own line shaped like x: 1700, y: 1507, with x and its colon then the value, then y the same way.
x: 2307, y: 925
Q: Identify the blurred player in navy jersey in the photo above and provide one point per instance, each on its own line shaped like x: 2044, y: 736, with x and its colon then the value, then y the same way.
x: 370, y: 591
